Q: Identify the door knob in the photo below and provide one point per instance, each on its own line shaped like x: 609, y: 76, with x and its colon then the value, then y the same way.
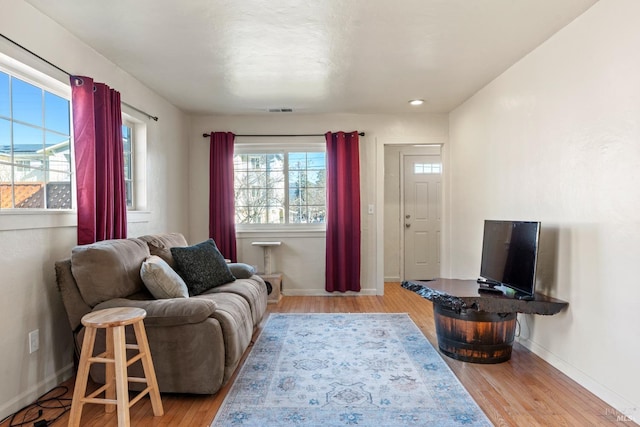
x: 407, y: 225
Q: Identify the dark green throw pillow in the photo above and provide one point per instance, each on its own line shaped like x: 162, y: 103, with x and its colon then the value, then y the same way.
x: 201, y: 266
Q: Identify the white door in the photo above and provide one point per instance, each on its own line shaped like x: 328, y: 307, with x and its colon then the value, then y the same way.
x: 422, y: 207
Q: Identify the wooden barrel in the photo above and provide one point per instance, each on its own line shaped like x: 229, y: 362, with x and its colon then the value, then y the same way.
x: 475, y: 336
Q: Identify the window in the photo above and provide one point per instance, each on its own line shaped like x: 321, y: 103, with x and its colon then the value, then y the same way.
x: 427, y: 168
x: 35, y: 153
x: 127, y: 148
x: 35, y: 160
x: 280, y: 186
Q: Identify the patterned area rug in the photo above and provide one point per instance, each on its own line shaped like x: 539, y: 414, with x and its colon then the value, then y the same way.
x: 346, y: 370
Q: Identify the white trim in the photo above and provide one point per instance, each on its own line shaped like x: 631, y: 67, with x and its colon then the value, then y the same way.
x: 323, y: 293
x: 29, y: 219
x: 32, y: 219
x: 289, y: 233
x: 379, y: 196
x: 37, y: 390
x: 617, y: 402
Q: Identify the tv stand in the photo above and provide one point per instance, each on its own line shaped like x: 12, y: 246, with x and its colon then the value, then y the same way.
x: 478, y: 326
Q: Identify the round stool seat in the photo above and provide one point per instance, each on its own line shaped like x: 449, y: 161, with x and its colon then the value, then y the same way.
x: 112, y: 317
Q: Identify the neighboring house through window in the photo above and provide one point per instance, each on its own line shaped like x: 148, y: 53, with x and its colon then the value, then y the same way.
x: 35, y: 152
x: 35, y: 161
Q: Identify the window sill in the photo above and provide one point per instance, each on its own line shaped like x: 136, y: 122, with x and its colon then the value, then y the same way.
x: 287, y: 231
x: 35, y: 219
x: 138, y: 217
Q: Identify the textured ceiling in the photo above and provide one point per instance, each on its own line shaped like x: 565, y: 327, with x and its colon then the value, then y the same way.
x: 347, y: 56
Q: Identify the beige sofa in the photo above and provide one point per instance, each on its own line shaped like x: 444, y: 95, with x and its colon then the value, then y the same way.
x: 196, y: 341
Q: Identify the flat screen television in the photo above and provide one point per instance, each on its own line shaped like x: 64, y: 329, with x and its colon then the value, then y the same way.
x: 509, y: 255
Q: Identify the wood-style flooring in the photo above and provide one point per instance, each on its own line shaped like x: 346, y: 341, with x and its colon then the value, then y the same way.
x: 525, y: 391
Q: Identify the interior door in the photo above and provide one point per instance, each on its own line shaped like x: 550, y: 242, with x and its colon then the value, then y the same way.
x: 422, y: 216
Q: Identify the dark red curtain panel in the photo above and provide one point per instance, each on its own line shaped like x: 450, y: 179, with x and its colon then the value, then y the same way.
x: 222, y: 228
x: 97, y: 129
x: 343, y: 212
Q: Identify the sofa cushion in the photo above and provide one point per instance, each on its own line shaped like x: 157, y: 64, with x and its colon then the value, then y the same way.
x: 108, y: 269
x: 241, y: 270
x: 202, y: 266
x: 253, y: 290
x: 167, y: 312
x: 161, y: 244
x: 161, y: 280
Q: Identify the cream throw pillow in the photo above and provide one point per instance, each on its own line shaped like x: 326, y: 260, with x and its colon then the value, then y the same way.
x: 161, y: 280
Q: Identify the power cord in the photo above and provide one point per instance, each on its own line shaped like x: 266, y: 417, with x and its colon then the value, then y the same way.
x: 52, y: 400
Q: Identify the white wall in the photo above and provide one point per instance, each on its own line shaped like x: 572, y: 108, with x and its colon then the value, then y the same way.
x: 30, y: 244
x: 301, y: 258
x: 556, y: 138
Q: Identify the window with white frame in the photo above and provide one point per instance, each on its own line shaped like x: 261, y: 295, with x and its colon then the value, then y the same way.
x: 35, y: 156
x: 35, y: 148
x: 280, y: 186
x: 128, y: 151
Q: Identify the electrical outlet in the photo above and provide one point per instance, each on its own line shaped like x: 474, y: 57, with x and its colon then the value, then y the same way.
x: 370, y: 211
x: 34, y: 341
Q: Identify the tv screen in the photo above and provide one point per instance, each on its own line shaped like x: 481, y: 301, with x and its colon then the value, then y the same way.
x: 509, y: 254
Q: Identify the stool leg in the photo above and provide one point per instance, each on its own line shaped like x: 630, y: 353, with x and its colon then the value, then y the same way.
x: 149, y: 371
x: 122, y: 384
x: 81, y: 377
x: 109, y: 372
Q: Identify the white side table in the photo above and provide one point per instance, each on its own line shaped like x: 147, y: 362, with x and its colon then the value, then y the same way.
x: 275, y: 280
x: 266, y: 246
x: 267, y: 274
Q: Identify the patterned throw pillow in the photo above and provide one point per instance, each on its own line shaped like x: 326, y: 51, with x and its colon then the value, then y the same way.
x: 202, y: 266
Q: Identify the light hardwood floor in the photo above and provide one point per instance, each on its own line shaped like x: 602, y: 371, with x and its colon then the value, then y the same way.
x: 525, y: 391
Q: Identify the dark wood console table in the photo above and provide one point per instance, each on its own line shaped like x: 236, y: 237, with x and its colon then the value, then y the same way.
x: 475, y: 326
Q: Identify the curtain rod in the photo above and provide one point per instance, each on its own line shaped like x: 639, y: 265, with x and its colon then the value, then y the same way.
x: 70, y: 75
x: 207, y: 135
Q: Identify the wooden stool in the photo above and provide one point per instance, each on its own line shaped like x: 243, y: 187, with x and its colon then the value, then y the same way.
x: 116, y: 387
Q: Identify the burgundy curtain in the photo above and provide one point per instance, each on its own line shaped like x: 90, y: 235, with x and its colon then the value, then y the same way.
x: 343, y: 212
x: 97, y: 129
x: 222, y: 228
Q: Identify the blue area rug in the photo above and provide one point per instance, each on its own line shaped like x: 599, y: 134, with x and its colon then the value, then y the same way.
x: 346, y: 370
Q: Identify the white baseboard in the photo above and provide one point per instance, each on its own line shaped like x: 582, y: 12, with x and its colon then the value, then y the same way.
x: 392, y: 279
x: 323, y: 293
x: 30, y: 396
x: 621, y: 408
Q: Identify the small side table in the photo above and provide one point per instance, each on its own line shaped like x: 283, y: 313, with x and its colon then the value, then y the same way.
x: 266, y: 246
x: 275, y: 280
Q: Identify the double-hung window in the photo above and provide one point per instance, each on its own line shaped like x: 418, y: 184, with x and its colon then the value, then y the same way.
x: 128, y: 150
x: 35, y: 142
x: 35, y: 155
x: 283, y: 186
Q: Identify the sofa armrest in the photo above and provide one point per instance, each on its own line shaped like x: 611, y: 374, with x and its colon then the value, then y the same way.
x: 167, y: 312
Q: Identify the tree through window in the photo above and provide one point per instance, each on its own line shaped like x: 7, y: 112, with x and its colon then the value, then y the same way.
x: 284, y: 187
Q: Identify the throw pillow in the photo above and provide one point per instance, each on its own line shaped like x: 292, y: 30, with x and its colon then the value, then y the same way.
x: 161, y: 280
x: 241, y: 270
x: 202, y: 266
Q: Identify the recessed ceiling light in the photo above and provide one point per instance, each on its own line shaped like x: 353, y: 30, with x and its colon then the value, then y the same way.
x: 416, y: 102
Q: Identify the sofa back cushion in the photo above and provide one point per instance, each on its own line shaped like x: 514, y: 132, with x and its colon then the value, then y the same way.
x: 161, y: 244
x: 108, y: 269
x: 202, y: 266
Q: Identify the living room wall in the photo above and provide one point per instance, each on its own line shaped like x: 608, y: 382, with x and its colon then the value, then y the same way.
x: 556, y: 139
x: 302, y: 256
x: 31, y: 243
